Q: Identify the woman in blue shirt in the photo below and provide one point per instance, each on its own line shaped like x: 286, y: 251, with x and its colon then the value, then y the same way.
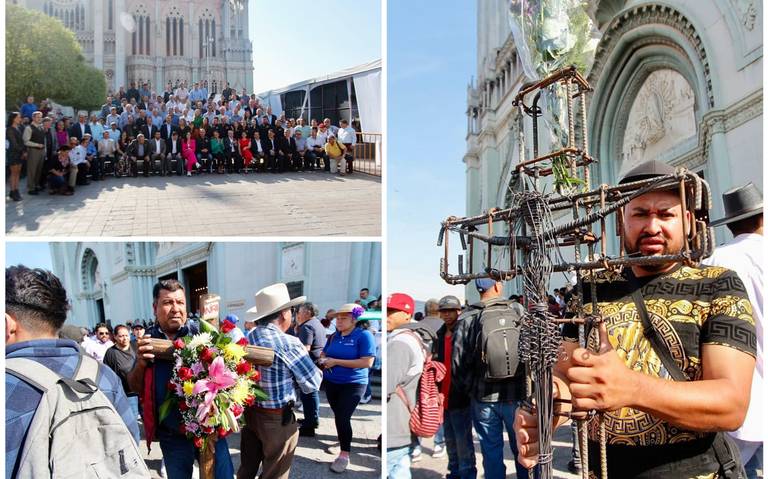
x: 347, y: 355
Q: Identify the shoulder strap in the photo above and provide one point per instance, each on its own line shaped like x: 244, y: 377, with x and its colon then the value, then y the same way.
x: 651, y: 334
x: 726, y: 456
x: 26, y: 369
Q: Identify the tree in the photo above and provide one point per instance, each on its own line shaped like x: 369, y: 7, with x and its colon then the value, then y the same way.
x: 43, y: 59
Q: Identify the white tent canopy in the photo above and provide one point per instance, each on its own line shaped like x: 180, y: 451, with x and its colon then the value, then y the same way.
x: 367, y: 81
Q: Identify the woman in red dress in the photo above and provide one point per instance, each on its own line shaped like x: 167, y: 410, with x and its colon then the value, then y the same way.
x: 245, y: 149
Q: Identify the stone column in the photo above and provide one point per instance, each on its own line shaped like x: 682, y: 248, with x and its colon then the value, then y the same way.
x: 98, y: 35
x: 120, y: 51
x: 718, y: 173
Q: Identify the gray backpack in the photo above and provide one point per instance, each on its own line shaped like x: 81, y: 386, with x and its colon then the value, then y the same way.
x: 498, y: 341
x: 76, y: 431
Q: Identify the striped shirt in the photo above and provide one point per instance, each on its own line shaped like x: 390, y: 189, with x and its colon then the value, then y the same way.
x: 292, y: 363
x: 21, y: 400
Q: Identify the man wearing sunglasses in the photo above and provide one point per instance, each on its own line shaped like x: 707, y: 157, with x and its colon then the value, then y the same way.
x: 98, y: 345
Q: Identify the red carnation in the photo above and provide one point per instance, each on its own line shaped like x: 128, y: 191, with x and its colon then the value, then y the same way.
x: 223, y: 432
x: 207, y: 355
x: 184, y: 373
x: 178, y: 343
x: 243, y: 368
x: 198, y: 442
x: 249, y: 400
x: 183, y: 406
x: 236, y: 409
x: 243, y: 341
x: 226, y: 327
x: 255, y: 375
x: 170, y: 385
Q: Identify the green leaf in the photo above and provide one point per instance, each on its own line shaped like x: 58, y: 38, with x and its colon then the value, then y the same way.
x: 259, y: 394
x: 165, y: 409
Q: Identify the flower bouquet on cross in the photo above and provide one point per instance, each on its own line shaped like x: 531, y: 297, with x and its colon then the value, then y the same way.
x: 211, y: 384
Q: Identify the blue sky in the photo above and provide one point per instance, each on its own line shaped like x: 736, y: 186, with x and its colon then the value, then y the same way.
x: 31, y: 254
x: 301, y: 39
x: 430, y: 64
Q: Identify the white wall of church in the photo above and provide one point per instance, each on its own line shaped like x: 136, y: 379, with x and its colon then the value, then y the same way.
x: 332, y: 273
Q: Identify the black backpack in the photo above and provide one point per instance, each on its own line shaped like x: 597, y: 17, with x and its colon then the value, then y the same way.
x: 497, y: 340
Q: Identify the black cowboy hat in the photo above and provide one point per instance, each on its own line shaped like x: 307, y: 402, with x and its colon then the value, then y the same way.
x: 741, y: 203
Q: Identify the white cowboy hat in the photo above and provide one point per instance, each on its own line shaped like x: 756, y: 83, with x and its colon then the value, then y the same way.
x: 271, y: 300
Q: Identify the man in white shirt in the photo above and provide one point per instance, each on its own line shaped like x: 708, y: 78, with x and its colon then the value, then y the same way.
x: 331, y: 128
x: 97, y: 347
x: 78, y: 160
x: 106, y: 152
x: 744, y: 255
x: 316, y: 149
x: 348, y: 137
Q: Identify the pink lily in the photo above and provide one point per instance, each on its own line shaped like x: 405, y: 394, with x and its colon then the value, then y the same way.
x: 219, y: 377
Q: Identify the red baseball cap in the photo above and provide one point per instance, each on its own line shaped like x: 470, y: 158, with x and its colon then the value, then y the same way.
x: 400, y: 302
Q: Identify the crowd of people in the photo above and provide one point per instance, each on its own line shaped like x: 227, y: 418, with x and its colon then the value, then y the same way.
x: 180, y: 131
x: 309, y: 355
x: 666, y: 401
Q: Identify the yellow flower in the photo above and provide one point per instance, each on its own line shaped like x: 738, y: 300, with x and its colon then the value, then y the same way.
x: 188, y: 387
x: 234, y: 352
x: 240, y: 392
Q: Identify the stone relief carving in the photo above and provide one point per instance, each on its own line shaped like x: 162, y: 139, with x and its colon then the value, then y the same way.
x: 661, y: 117
x: 747, y: 12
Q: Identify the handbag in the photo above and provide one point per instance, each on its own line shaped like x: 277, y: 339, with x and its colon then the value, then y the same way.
x: 726, y: 451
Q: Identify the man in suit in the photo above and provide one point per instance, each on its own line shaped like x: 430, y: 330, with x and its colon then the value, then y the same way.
x: 107, y: 148
x: 272, y: 118
x: 172, y: 152
x: 138, y: 150
x: 167, y: 128
x: 203, y: 151
x: 233, y: 158
x: 287, y: 151
x: 156, y: 150
x: 79, y: 129
x: 271, y: 150
x: 259, y: 154
x: 148, y: 129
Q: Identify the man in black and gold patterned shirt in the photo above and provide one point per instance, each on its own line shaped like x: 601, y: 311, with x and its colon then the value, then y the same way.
x: 657, y: 427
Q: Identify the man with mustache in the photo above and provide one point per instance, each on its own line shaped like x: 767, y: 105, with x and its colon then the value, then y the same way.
x: 179, y: 453
x: 656, y: 426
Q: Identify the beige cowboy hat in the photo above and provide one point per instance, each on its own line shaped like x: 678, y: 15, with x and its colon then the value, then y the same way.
x: 271, y: 300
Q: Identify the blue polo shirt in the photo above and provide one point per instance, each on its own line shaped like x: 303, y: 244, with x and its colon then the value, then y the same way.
x: 357, y: 344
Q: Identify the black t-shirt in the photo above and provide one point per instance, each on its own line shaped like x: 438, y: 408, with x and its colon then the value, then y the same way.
x: 689, y: 307
x: 312, y: 334
x: 121, y: 362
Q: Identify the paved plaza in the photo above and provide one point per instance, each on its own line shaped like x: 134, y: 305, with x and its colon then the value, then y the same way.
x: 432, y: 468
x: 264, y: 204
x: 311, y: 460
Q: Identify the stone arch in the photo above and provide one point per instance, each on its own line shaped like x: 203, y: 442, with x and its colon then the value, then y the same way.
x: 636, y: 43
x: 88, y: 272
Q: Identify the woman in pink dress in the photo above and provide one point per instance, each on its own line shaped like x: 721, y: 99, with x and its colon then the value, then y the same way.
x: 245, y: 149
x: 188, y: 152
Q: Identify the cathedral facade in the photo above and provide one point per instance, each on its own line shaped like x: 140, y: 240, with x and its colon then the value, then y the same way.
x: 159, y: 41
x: 675, y: 81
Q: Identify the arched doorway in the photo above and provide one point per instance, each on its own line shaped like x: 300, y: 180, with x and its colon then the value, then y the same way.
x: 93, y: 287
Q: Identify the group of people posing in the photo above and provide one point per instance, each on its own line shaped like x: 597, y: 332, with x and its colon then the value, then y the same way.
x: 129, y: 373
x: 169, y: 135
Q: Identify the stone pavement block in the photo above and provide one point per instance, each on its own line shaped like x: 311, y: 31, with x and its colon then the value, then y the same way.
x: 250, y: 205
x: 435, y: 468
x: 311, y: 461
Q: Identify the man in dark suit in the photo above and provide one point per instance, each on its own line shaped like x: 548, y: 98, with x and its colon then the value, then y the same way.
x: 172, y: 152
x: 79, y: 129
x: 133, y: 93
x: 233, y: 158
x: 203, y: 151
x: 264, y: 127
x: 272, y: 118
x: 156, y: 150
x: 227, y: 93
x: 269, y: 144
x: 287, y: 149
x: 138, y: 150
x: 149, y: 130
x: 167, y: 129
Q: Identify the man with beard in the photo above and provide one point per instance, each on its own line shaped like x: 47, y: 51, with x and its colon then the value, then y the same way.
x: 699, y: 331
x: 179, y: 453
